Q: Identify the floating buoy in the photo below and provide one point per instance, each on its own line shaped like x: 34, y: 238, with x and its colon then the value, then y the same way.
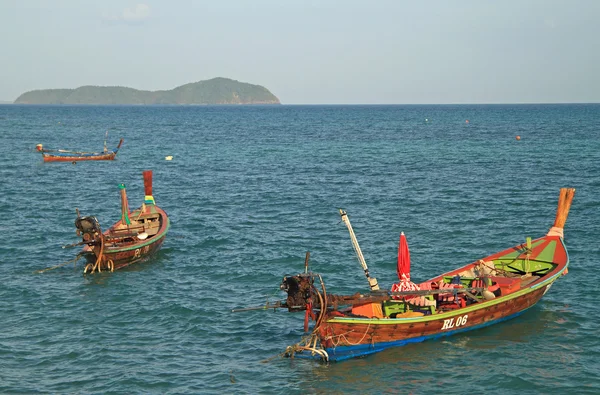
x: 518, y: 138
x: 170, y: 157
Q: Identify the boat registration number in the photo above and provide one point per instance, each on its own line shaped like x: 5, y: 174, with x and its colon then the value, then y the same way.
x: 455, y: 322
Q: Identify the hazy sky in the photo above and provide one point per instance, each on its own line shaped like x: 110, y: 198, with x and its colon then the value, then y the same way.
x: 311, y: 52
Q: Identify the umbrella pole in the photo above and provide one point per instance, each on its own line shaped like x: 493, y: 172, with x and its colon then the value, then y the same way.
x: 361, y: 259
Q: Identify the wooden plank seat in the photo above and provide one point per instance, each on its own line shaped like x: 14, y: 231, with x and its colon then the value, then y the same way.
x: 129, y: 231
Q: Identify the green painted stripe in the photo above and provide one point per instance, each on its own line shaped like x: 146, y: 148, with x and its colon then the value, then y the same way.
x: 449, y: 314
x: 547, y: 254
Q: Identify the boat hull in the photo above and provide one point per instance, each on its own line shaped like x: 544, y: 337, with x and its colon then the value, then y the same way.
x: 77, y: 158
x: 131, y: 250
x: 347, y: 338
x: 124, y: 256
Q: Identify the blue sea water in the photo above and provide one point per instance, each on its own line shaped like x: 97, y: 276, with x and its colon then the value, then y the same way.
x: 249, y: 191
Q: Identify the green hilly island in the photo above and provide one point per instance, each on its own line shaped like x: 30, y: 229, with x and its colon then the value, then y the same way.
x: 213, y: 91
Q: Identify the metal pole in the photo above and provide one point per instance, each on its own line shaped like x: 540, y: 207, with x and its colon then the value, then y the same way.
x: 361, y: 259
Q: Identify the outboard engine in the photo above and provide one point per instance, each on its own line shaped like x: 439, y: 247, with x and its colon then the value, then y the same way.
x: 88, y: 228
x: 300, y: 291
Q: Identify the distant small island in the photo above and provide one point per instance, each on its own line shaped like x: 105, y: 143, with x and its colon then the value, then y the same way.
x: 213, y: 91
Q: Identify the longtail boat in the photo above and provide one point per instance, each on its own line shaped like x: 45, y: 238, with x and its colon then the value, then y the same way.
x: 487, y: 291
x: 134, y: 238
x: 60, y: 155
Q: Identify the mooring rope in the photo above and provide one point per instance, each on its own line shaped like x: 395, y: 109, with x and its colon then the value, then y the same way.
x: 99, y: 259
x: 309, y: 343
x: 61, y: 265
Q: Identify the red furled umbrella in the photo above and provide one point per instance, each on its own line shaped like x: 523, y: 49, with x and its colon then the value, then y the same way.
x: 403, y: 268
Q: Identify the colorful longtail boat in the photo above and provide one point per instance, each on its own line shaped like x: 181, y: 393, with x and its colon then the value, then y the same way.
x: 60, y: 155
x: 487, y: 291
x: 134, y: 238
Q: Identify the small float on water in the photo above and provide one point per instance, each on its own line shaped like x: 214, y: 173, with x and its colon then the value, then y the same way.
x: 134, y: 238
x: 487, y: 291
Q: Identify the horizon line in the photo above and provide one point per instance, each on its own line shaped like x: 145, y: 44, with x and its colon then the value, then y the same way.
x: 7, y: 102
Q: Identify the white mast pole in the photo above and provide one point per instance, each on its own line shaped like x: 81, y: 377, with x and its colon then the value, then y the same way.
x: 361, y: 259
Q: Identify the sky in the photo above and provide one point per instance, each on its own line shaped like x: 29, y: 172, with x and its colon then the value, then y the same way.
x: 311, y: 51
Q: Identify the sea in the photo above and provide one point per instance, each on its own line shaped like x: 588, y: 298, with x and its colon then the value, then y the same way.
x: 249, y: 191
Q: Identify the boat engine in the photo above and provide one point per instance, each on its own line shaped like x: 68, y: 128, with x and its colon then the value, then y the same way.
x: 300, y: 290
x: 88, y: 228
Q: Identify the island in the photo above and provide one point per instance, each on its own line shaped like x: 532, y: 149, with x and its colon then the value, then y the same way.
x: 214, y: 91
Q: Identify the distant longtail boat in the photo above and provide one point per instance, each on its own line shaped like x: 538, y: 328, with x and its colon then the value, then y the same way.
x: 60, y: 155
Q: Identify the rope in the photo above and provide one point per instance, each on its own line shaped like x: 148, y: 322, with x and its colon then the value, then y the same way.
x: 61, y: 265
x: 140, y: 214
x: 343, y: 335
x: 291, y: 350
x: 309, y: 343
x: 321, y: 312
x: 99, y: 259
x: 273, y: 357
x: 506, y: 273
x: 323, y: 305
